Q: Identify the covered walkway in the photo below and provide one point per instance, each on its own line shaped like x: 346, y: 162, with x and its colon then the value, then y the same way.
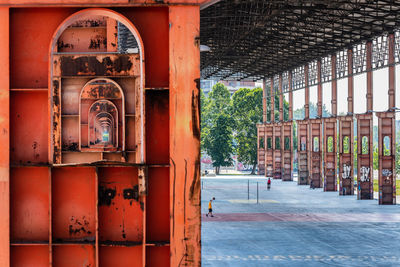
x: 294, y: 226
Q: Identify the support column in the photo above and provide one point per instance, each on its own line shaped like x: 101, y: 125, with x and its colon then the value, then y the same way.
x: 392, y: 79
x: 264, y: 101
x: 290, y: 96
x: 4, y: 139
x: 306, y: 94
x: 272, y: 96
x: 184, y: 62
x: 319, y: 80
x: 280, y: 99
x: 350, y: 81
x: 369, y: 77
x: 334, y: 86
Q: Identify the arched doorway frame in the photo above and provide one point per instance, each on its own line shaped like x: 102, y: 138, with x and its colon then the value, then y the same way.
x: 60, y: 29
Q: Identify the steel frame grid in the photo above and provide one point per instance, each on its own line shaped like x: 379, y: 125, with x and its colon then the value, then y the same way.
x: 260, y: 38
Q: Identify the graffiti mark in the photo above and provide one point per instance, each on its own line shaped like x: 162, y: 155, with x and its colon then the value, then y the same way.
x: 386, y: 173
x: 365, y: 174
x: 346, y: 171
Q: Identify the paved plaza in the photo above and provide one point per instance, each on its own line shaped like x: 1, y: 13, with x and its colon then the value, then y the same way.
x: 294, y: 225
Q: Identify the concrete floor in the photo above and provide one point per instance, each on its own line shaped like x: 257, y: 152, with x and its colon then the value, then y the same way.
x: 294, y: 226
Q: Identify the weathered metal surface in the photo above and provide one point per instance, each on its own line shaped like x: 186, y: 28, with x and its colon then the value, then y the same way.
x: 184, y: 63
x: 95, y: 65
x: 365, y: 181
x: 315, y: 153
x: 387, y: 158
x: 330, y: 155
x: 4, y: 139
x: 287, y: 150
x: 60, y: 214
x: 346, y: 155
x: 302, y: 148
x: 269, y: 152
x: 277, y: 152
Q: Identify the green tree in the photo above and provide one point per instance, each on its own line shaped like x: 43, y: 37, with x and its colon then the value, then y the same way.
x: 247, y: 112
x: 217, y: 126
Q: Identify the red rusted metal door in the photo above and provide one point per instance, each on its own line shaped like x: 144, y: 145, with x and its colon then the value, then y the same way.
x: 302, y: 148
x: 365, y: 179
x: 330, y: 156
x: 315, y: 152
x: 277, y: 140
x: 261, y: 148
x: 386, y: 143
x: 287, y: 151
x: 269, y: 152
x: 346, y: 137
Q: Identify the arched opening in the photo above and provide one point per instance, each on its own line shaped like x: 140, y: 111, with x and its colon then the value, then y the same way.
x: 346, y: 145
x: 103, y: 125
x: 386, y: 146
x: 316, y: 144
x: 100, y: 96
x: 330, y: 144
x: 303, y: 144
x: 97, y: 66
x: 364, y: 146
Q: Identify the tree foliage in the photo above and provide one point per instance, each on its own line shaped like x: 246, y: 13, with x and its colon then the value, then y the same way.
x: 247, y: 112
x: 217, y: 126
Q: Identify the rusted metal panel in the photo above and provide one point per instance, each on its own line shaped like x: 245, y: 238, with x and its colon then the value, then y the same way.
x: 315, y: 153
x: 269, y: 152
x: 365, y: 181
x: 330, y: 155
x: 261, y: 149
x: 287, y: 151
x: 185, y: 129
x: 4, y: 140
x: 346, y: 155
x: 302, y: 148
x: 277, y: 152
x: 96, y: 65
x: 387, y: 158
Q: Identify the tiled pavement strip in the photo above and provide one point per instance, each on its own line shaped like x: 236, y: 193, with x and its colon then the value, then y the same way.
x: 294, y: 226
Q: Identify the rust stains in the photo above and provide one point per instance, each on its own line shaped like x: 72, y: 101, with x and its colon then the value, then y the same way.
x: 195, y: 116
x: 56, y: 121
x: 106, y: 195
x: 118, y: 65
x: 78, y: 226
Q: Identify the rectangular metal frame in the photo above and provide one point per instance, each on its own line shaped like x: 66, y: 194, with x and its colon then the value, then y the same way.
x: 277, y: 154
x: 261, y: 148
x: 365, y: 179
x: 315, y: 153
x: 269, y: 150
x: 330, y: 157
x: 302, y: 148
x: 287, y: 151
x: 387, y: 158
x: 346, y: 160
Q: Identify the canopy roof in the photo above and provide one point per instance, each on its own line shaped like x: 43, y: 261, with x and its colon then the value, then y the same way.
x: 254, y: 39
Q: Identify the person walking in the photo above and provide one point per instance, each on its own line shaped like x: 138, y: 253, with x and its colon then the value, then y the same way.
x: 269, y: 184
x: 210, y: 208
